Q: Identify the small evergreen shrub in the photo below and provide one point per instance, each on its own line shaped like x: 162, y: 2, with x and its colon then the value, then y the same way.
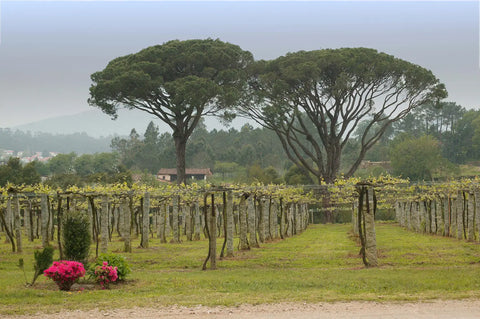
x: 76, y: 237
x: 114, y: 260
x: 43, y: 260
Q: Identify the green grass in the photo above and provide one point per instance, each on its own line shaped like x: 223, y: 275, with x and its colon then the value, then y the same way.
x: 322, y: 264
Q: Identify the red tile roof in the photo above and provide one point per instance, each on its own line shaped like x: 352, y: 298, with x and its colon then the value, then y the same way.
x: 188, y: 171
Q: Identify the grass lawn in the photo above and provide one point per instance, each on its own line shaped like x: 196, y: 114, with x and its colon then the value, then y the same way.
x: 322, y: 264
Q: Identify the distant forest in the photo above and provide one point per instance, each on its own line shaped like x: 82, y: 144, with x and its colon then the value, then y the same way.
x: 431, y: 142
x: 80, y: 143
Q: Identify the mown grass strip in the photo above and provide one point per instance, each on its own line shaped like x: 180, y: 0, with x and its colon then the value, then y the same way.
x: 322, y: 264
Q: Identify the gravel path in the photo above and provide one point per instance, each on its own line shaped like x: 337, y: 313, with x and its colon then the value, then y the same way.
x: 434, y: 309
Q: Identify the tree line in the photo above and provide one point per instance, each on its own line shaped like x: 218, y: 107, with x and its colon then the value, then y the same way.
x: 429, y: 143
x: 28, y: 142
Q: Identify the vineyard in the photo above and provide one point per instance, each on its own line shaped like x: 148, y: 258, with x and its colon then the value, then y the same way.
x: 260, y: 239
x: 255, y: 214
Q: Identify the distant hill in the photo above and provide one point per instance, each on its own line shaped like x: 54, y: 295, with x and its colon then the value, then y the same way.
x: 94, y: 123
x: 97, y: 124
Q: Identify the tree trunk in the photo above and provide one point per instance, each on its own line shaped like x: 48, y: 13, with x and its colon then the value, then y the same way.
x: 180, y: 150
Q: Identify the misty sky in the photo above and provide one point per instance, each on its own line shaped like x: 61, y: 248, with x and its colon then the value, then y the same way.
x: 49, y: 49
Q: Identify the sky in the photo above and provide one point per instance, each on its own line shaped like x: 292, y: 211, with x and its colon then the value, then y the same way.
x: 49, y: 49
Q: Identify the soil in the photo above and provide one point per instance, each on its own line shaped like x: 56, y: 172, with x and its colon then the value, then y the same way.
x: 441, y: 309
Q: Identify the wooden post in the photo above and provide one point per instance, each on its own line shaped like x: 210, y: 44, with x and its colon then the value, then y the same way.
x: 252, y: 222
x: 274, y: 220
x: 198, y: 221
x: 370, y: 234
x: 126, y: 216
x: 447, y: 216
x: 162, y: 222
x: 440, y: 215
x: 44, y: 208
x: 230, y: 224
x: 460, y: 215
x: 477, y: 212
x: 355, y: 218
x: 187, y: 214
x: 261, y: 219
x: 242, y: 212
x: 471, y: 217
x: 17, y: 223
x: 176, y: 233
x: 104, y: 226
x: 29, y: 221
x: 145, y: 220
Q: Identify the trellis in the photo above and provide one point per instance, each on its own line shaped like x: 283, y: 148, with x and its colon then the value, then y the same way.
x: 227, y: 212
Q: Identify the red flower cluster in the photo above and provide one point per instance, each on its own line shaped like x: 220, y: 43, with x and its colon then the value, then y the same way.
x: 65, y: 273
x: 105, y: 274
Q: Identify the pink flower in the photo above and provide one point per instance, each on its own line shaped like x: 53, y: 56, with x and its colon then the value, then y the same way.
x: 105, y: 274
x: 65, y: 273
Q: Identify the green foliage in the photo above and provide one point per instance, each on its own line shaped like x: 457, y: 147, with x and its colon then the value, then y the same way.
x: 64, y: 181
x: 314, y: 100
x: 43, y: 260
x: 119, y: 261
x: 297, y: 176
x: 76, y: 237
x: 178, y: 81
x: 16, y: 173
x: 266, y: 176
x: 417, y: 158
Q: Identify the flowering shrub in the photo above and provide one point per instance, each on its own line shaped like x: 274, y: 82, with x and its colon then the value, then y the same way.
x: 119, y: 261
x: 65, y: 273
x: 105, y: 274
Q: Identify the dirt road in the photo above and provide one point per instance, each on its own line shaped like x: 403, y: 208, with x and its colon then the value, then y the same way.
x: 434, y: 309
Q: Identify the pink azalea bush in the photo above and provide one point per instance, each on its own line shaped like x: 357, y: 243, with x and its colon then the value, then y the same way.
x: 65, y: 273
x: 105, y: 274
